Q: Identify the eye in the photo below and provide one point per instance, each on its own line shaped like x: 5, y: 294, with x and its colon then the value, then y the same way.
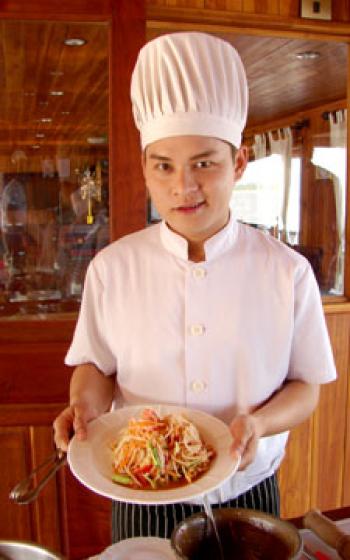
x: 163, y: 166
x: 203, y: 164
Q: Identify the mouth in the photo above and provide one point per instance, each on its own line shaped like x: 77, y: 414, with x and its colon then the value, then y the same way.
x: 190, y: 208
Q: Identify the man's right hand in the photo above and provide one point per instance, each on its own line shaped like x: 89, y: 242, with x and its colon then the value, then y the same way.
x: 91, y: 394
x: 72, y: 420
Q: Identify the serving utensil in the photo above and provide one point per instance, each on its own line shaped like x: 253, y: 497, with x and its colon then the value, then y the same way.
x: 27, y: 490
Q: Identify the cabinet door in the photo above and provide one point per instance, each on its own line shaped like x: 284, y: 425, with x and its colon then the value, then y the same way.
x: 22, y: 449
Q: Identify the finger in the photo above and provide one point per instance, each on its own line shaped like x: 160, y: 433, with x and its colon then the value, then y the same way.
x: 238, y: 445
x: 61, y: 432
x: 249, y: 453
x: 63, y: 427
x: 80, y: 423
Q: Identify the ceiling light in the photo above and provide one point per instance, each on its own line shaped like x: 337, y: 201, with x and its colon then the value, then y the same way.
x: 35, y: 146
x: 65, y: 112
x: 45, y: 120
x: 40, y: 135
x: 56, y: 93
x: 74, y: 42
x: 307, y: 55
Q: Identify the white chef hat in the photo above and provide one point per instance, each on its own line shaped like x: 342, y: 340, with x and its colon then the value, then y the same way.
x: 189, y: 84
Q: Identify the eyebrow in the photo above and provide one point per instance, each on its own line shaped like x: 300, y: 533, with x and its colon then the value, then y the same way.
x: 197, y: 156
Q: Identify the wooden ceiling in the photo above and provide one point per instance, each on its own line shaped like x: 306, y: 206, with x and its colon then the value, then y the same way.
x: 34, y: 61
x: 280, y: 84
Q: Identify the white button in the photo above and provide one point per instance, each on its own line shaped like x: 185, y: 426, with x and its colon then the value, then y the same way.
x: 199, y: 272
x: 198, y: 386
x: 197, y: 330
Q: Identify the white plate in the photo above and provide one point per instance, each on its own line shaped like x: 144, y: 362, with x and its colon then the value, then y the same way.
x: 91, y: 460
x: 139, y: 548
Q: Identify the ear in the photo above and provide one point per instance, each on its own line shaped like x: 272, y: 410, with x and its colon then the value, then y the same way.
x: 241, y: 162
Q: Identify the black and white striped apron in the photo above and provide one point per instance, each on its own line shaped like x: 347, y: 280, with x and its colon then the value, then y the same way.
x: 133, y: 520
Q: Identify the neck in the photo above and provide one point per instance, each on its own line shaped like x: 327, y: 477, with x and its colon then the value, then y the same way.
x: 196, y: 251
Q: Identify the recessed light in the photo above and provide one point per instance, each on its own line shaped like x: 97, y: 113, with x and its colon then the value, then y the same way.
x: 40, y: 135
x: 45, y: 120
x: 74, y: 42
x: 307, y: 55
x: 56, y: 93
x: 35, y: 146
x: 65, y: 112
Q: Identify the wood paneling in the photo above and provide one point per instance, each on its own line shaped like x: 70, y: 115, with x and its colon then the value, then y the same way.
x: 127, y: 192
x: 261, y: 6
x: 83, y: 10
x: 295, y: 474
x: 87, y: 518
x: 280, y: 84
x: 30, y: 52
x: 225, y: 5
x: 315, y: 471
x: 15, y: 521
x: 282, y: 8
x: 329, y: 483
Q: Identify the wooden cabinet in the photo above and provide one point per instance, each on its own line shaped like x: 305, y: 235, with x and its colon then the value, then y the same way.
x: 65, y: 517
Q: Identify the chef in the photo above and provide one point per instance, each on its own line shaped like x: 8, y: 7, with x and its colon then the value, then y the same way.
x: 198, y: 310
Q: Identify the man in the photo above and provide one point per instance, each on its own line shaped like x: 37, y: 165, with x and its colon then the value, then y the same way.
x: 199, y: 310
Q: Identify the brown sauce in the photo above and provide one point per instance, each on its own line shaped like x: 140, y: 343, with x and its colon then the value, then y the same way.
x: 168, y: 486
x: 240, y: 540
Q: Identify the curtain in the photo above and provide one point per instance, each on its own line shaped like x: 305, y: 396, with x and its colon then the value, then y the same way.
x: 260, y: 146
x: 338, y: 137
x: 281, y: 143
x: 278, y: 142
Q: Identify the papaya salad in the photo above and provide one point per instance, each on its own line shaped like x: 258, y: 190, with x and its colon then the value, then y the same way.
x: 154, y: 452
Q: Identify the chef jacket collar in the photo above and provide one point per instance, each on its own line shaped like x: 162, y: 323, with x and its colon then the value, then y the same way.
x: 213, y: 247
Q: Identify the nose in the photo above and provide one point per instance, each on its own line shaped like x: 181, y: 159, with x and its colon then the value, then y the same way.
x: 184, y: 183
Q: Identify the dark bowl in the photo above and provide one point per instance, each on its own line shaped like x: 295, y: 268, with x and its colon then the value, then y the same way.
x: 244, y: 534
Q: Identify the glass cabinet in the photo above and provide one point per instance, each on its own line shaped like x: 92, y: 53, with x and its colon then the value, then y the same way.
x: 54, y: 169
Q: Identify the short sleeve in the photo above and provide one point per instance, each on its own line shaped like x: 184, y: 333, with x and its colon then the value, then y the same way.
x: 311, y: 353
x: 89, y: 344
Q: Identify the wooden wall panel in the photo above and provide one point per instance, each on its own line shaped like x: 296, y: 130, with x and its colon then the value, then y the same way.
x: 15, y: 521
x: 283, y: 8
x: 225, y: 5
x: 289, y: 8
x: 346, y: 476
x: 34, y: 373
x: 330, y: 424
x: 295, y: 473
x: 127, y: 189
x: 270, y: 7
x: 46, y: 528
x: 87, y: 519
x: 59, y: 9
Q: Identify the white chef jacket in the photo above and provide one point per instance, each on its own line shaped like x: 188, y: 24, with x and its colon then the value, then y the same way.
x: 211, y: 335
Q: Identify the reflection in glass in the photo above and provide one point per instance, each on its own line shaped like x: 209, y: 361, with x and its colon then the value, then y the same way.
x: 54, y: 164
